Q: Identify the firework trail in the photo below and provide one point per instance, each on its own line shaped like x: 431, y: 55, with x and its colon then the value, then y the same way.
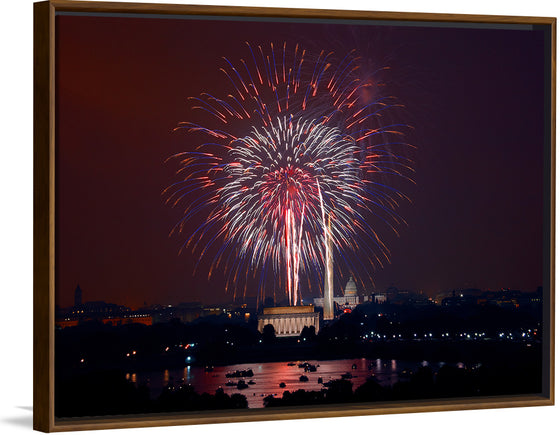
x: 298, y: 142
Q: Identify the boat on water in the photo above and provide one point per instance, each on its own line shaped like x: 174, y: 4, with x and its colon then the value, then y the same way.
x: 308, y: 367
x: 241, y: 385
x: 346, y: 375
x: 303, y: 378
x: 251, y: 382
x: 320, y: 380
x: 230, y: 384
x: 240, y: 374
x: 282, y: 385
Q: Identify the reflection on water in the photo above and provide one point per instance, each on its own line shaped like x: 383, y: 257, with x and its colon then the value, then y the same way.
x: 186, y: 375
x: 268, y: 376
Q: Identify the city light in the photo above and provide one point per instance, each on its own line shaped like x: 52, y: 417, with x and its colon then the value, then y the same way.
x: 399, y: 328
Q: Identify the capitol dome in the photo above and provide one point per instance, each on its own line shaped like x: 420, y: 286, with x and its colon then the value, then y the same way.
x: 350, y: 289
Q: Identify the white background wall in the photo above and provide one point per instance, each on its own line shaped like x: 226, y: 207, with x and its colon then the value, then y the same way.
x: 16, y: 243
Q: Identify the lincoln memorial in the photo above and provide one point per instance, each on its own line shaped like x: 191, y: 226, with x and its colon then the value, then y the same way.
x: 289, y: 321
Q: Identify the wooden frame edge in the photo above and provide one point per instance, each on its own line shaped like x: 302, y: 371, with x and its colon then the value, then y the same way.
x: 552, y: 305
x: 43, y: 216
x: 275, y: 12
x: 44, y: 223
x: 296, y: 413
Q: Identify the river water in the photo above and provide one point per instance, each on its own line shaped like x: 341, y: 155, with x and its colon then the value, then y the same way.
x: 268, y: 376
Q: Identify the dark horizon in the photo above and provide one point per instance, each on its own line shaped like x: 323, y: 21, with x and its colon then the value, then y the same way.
x: 474, y: 97
x: 89, y: 298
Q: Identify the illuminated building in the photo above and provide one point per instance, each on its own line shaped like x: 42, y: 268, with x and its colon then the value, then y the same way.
x: 142, y: 318
x: 350, y: 298
x: 346, y: 302
x: 99, y: 311
x: 289, y: 321
x: 350, y: 290
x: 114, y: 320
x: 65, y: 323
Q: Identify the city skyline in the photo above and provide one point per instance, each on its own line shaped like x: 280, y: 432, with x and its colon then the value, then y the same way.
x: 88, y: 298
x: 475, y: 186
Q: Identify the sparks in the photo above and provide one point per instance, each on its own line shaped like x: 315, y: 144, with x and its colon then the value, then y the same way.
x: 292, y: 149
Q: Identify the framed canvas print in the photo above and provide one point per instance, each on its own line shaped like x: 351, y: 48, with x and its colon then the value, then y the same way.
x: 247, y: 214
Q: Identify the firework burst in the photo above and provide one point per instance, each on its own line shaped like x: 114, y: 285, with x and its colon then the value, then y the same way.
x: 297, y: 157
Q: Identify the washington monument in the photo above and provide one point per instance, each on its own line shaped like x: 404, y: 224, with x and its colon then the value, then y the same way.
x: 328, y: 305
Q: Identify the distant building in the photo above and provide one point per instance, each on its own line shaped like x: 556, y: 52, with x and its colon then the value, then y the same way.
x: 65, y: 323
x: 379, y: 298
x: 188, y: 312
x: 350, y: 299
x: 398, y: 296
x: 288, y: 321
x: 142, y: 318
x: 98, y: 309
x: 350, y: 290
x: 459, y: 301
x: 504, y: 298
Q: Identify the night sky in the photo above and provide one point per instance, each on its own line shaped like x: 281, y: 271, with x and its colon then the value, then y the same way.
x: 474, y: 97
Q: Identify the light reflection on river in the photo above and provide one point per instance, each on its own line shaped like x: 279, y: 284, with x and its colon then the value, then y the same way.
x: 268, y: 376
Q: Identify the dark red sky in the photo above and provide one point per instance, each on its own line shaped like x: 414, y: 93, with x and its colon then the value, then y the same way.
x: 474, y: 97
